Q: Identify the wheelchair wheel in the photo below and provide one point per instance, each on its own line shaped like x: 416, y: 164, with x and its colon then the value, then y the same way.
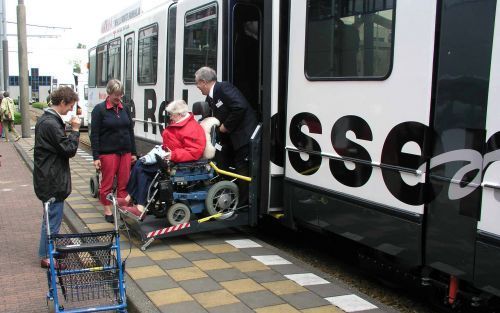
x: 178, y: 213
x: 94, y: 186
x: 222, y: 198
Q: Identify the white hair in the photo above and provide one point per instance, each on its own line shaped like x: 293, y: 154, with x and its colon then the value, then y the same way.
x: 205, y: 73
x: 177, y: 107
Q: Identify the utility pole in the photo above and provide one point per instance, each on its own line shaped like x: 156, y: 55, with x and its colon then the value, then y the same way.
x: 23, y: 68
x: 5, y: 47
x: 4, y: 79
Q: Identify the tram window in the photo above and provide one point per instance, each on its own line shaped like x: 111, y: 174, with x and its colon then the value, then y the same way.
x: 349, y: 39
x: 129, y: 54
x: 147, y: 64
x: 200, y: 41
x: 172, y: 21
x: 92, y: 67
x: 101, y: 67
x: 114, y: 59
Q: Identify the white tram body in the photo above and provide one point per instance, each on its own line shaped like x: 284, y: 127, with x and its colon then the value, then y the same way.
x: 380, y: 118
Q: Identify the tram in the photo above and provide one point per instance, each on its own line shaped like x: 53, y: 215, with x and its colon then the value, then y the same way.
x: 380, y: 118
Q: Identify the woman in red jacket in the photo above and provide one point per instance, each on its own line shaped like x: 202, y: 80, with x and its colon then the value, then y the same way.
x: 183, y: 139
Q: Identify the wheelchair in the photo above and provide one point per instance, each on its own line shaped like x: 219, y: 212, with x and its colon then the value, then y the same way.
x: 179, y: 190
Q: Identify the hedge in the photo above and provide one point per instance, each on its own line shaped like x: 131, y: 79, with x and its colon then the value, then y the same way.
x: 17, y: 118
x: 39, y: 105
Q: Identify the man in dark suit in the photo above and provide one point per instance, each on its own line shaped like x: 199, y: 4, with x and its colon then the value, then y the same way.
x: 238, y: 121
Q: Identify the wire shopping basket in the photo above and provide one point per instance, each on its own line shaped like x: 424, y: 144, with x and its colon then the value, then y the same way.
x: 86, y: 272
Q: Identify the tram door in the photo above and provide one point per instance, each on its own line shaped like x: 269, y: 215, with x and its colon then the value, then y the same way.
x: 245, y: 71
x: 461, y: 125
x: 129, y: 72
x: 245, y: 51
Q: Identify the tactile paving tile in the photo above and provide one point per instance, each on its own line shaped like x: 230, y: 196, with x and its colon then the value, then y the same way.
x: 163, y: 255
x: 145, y: 272
x: 307, y: 279
x: 351, y: 303
x: 271, y: 259
x: 249, y: 266
x: 242, y: 286
x: 212, y: 264
x: 169, y: 296
x: 243, y: 243
x: 215, y: 298
x: 284, y: 287
x: 186, y: 273
x: 221, y: 248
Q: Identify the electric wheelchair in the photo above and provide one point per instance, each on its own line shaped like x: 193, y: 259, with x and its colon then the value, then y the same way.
x: 179, y: 190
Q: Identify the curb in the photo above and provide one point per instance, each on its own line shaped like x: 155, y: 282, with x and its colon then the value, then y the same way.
x: 137, y: 301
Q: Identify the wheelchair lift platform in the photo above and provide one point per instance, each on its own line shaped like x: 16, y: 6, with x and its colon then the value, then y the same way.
x: 152, y: 228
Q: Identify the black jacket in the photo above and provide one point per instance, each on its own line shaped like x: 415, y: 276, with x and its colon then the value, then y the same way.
x: 53, y: 149
x: 111, y: 132
x: 232, y: 109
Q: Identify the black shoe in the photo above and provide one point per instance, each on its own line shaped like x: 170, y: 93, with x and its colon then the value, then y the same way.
x: 109, y: 218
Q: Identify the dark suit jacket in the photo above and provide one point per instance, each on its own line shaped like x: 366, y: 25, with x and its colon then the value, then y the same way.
x: 232, y: 109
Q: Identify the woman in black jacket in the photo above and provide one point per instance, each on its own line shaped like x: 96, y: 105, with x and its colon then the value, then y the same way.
x: 113, y: 144
x: 53, y: 149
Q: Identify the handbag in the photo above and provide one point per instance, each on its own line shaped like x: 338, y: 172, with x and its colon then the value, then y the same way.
x: 6, y: 113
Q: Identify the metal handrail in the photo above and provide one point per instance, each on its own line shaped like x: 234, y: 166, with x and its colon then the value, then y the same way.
x: 148, y: 122
x: 347, y: 159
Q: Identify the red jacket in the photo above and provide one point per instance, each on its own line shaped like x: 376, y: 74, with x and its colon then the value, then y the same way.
x: 186, y: 140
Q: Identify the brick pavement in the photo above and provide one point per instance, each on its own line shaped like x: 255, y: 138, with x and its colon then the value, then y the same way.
x: 223, y: 271
x: 22, y: 282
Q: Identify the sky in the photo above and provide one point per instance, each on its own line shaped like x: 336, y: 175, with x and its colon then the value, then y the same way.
x: 54, y: 56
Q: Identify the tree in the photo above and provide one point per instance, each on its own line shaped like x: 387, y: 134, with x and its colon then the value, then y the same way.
x: 81, y: 46
x: 77, y: 68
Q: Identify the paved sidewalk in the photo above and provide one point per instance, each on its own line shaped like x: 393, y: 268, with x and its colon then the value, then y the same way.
x: 22, y: 282
x: 223, y: 271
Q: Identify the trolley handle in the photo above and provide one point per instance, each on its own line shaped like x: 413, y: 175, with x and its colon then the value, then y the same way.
x: 111, y: 197
x: 46, y: 206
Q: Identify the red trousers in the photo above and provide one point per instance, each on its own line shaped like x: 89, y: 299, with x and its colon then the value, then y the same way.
x: 114, y: 165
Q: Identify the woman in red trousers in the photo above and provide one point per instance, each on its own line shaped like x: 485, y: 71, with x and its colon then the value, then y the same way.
x: 113, y: 144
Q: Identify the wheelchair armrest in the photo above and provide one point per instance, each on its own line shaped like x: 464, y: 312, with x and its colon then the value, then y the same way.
x: 193, y: 163
x: 214, y: 132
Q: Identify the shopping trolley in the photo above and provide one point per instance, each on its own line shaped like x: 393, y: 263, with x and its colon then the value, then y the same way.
x: 86, y: 271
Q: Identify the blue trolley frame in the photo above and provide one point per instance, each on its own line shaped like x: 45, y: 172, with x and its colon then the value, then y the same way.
x: 58, y: 272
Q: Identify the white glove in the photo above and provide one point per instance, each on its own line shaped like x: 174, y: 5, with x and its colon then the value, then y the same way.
x: 150, y: 157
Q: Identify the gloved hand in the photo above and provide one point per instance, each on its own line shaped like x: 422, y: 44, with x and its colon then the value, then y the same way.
x: 150, y: 158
